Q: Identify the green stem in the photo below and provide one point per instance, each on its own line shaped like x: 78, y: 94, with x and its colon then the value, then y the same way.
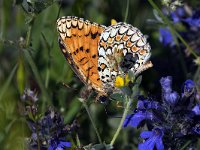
x: 196, y: 75
x: 29, y: 32
x: 28, y: 36
x: 122, y: 121
x: 127, y: 10
x: 172, y: 28
x: 93, y: 124
x: 33, y: 65
x: 185, y: 145
x: 78, y: 141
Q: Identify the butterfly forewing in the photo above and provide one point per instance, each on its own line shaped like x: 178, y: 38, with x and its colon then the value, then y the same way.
x: 79, y: 43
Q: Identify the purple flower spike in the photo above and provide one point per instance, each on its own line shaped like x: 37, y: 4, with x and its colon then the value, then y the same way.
x: 166, y: 84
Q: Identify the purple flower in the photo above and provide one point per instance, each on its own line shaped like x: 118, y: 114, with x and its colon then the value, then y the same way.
x: 178, y: 14
x: 135, y: 119
x: 196, y: 129
x: 29, y: 95
x: 178, y: 122
x: 145, y: 104
x: 166, y: 37
x: 171, y: 98
x: 196, y: 109
x: 59, y: 145
x: 166, y: 84
x: 194, y: 20
x: 188, y: 88
x: 152, y: 138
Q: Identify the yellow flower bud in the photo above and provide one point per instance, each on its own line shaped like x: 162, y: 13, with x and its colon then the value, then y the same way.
x: 119, y: 82
x: 113, y: 21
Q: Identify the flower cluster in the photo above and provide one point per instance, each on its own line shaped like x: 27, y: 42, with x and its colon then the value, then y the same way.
x: 48, y: 131
x: 187, y: 23
x: 169, y: 121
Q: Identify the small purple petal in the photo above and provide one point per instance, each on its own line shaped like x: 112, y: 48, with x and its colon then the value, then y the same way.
x: 147, y: 104
x: 194, y: 20
x: 178, y: 14
x: 134, y: 120
x: 64, y: 144
x: 196, y: 129
x: 166, y: 37
x: 160, y: 145
x: 166, y: 84
x: 154, y: 139
x: 188, y: 88
x: 171, y: 98
x: 146, y: 134
x: 196, y: 109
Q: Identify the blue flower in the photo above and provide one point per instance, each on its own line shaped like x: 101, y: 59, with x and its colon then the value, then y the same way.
x: 196, y: 109
x: 178, y: 14
x: 194, y: 20
x: 152, y: 138
x: 166, y: 37
x: 29, y: 95
x: 146, y: 104
x: 171, y: 98
x: 196, y: 129
x: 166, y: 84
x: 59, y: 145
x: 177, y: 122
x: 188, y: 88
x: 134, y: 120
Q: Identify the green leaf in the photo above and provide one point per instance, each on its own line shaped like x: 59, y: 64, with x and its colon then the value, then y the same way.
x: 21, y: 76
x: 8, y: 81
x: 131, y: 76
x: 138, y: 80
x: 126, y: 90
x: 117, y: 97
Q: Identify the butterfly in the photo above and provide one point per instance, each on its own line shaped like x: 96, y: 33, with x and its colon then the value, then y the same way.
x: 98, y: 54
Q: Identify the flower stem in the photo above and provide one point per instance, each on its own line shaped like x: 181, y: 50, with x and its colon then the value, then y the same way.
x: 29, y: 32
x: 122, y: 121
x: 196, y: 77
x: 127, y: 10
x: 78, y: 141
x: 93, y: 124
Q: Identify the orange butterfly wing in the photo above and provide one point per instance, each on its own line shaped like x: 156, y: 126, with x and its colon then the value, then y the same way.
x: 79, y: 43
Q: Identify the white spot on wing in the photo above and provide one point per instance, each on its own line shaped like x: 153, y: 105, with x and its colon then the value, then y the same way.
x: 123, y: 29
x: 105, y: 35
x: 113, y: 32
x: 135, y: 37
x: 102, y: 51
x: 140, y: 42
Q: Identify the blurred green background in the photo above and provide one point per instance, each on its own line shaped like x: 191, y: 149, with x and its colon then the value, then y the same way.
x: 39, y: 65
